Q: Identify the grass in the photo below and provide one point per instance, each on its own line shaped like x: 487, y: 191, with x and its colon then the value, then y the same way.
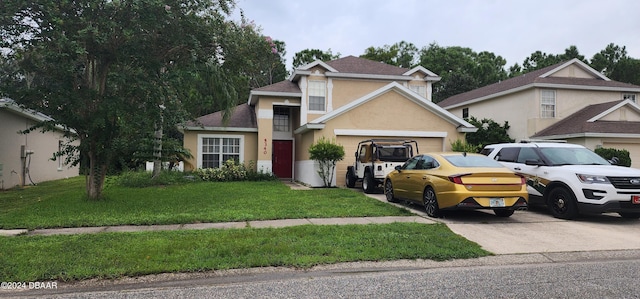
x: 111, y: 255
x: 62, y: 204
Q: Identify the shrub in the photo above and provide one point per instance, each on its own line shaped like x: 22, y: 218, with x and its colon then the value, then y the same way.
x: 608, y: 153
x: 462, y: 146
x: 231, y: 171
x: 141, y: 179
x: 327, y: 153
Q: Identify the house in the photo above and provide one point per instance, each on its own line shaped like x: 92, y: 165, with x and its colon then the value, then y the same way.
x: 569, y: 101
x: 27, y: 158
x: 347, y: 100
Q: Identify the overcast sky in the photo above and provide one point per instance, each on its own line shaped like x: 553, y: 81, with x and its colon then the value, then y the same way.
x: 512, y: 29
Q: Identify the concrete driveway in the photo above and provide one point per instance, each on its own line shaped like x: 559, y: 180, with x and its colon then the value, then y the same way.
x: 536, y: 231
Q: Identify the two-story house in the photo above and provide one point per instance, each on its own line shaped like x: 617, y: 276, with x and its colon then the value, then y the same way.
x: 347, y: 100
x: 569, y: 101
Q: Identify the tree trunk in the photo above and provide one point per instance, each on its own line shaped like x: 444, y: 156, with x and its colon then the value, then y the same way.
x: 157, y: 151
x: 95, y: 179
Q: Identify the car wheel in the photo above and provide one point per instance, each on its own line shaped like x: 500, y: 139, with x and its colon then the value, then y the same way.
x: 351, y: 178
x: 431, y: 203
x: 388, y: 191
x: 629, y: 215
x: 503, y: 212
x: 368, y: 185
x: 562, y: 203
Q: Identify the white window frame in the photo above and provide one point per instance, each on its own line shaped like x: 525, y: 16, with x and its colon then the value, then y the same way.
x: 222, y: 153
x: 629, y: 96
x: 317, y: 90
x: 547, y: 103
x: 419, y: 89
x: 281, y: 120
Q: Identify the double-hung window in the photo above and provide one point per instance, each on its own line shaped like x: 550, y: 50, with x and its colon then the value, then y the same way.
x: 629, y: 96
x: 317, y: 95
x: 217, y: 150
x: 419, y: 89
x: 547, y: 103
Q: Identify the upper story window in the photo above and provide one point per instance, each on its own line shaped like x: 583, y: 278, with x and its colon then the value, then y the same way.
x: 465, y: 113
x: 419, y: 89
x: 547, y: 103
x: 281, y: 121
x: 629, y: 96
x: 317, y: 95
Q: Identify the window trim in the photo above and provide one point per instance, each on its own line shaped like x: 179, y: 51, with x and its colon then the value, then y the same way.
x: 421, y: 90
x: 629, y: 96
x: 542, y: 103
x: 219, y: 136
x: 310, y: 94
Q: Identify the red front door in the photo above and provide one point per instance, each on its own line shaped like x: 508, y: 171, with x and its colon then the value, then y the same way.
x: 282, y: 158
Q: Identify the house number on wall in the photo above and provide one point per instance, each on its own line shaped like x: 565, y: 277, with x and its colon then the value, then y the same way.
x: 265, y: 146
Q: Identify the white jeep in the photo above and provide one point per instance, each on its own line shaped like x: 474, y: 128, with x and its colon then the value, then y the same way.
x: 375, y: 158
x: 571, y: 179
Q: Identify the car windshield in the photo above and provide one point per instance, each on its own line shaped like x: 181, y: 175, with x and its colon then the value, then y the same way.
x: 472, y: 161
x: 572, y: 156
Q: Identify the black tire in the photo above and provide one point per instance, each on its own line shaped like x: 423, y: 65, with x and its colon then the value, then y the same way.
x: 388, y: 191
x: 430, y: 202
x: 629, y: 215
x: 351, y: 178
x: 368, y: 183
x: 503, y: 212
x: 562, y: 203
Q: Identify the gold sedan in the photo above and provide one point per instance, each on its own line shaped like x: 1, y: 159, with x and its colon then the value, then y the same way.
x: 443, y: 181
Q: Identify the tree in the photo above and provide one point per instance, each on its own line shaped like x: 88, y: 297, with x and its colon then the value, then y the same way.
x: 104, y: 69
x: 402, y: 54
x: 605, y: 61
x: 627, y: 70
x: 310, y: 55
x: 461, y: 69
x: 489, y: 132
x: 327, y: 153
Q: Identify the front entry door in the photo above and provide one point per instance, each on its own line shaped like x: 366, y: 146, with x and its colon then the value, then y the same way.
x: 282, y: 156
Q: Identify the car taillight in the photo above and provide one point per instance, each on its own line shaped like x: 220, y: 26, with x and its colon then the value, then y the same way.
x: 457, y: 179
x: 523, y: 180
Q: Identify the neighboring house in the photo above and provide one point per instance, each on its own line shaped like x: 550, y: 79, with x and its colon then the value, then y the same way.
x: 27, y: 158
x: 569, y: 101
x: 347, y: 100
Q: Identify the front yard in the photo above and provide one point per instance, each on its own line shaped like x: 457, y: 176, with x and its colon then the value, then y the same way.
x: 112, y: 255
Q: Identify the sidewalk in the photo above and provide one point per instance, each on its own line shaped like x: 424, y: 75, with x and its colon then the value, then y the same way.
x: 221, y: 225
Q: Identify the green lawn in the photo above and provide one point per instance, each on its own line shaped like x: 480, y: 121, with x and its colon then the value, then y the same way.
x: 112, y: 255
x: 62, y: 204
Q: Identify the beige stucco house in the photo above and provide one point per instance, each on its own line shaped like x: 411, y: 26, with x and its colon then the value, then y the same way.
x: 569, y: 101
x: 27, y: 158
x: 348, y: 100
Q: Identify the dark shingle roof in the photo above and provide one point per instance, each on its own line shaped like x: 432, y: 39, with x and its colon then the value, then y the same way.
x: 357, y: 65
x: 577, y: 123
x: 533, y: 77
x: 282, y: 86
x: 242, y: 116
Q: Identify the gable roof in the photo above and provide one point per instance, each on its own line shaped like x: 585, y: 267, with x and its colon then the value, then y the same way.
x: 284, y: 88
x: 588, y: 122
x: 10, y: 105
x: 356, y: 67
x: 461, y: 124
x: 242, y: 119
x: 539, y: 78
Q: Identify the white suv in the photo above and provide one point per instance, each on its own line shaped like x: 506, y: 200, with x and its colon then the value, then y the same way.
x: 571, y: 179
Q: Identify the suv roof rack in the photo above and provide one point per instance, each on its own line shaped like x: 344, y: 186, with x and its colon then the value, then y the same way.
x: 541, y: 141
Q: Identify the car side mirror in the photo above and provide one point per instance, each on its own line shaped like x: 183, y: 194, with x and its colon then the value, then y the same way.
x: 614, y: 161
x: 398, y: 168
x: 533, y: 162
